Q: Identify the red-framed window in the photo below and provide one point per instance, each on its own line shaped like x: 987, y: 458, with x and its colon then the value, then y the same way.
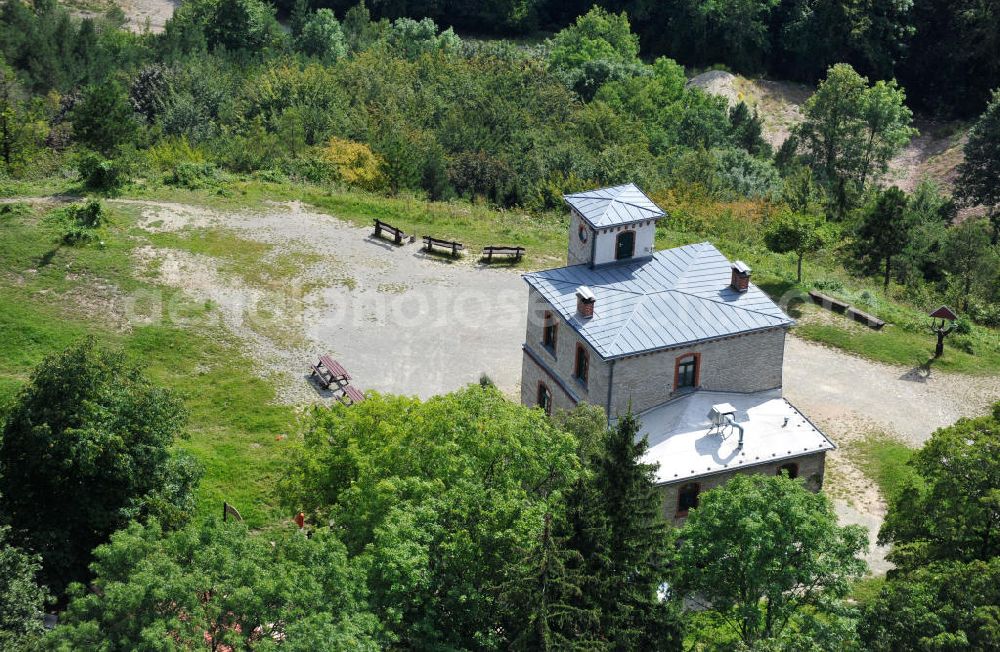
x: 545, y: 398
x: 581, y: 366
x: 687, y: 498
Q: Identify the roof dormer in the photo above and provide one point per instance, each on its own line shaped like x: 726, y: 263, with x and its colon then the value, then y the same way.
x: 611, y: 224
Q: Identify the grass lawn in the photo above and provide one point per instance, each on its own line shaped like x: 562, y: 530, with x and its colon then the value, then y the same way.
x: 883, y: 459
x: 51, y: 295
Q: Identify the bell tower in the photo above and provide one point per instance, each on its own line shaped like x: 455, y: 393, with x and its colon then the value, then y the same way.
x: 611, y: 225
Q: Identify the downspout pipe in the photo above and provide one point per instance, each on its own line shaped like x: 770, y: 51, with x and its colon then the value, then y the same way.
x: 611, y: 384
x: 730, y: 421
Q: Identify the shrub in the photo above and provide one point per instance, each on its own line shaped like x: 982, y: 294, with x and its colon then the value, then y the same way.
x: 193, y: 175
x: 99, y: 173
x: 83, y: 220
x: 355, y: 163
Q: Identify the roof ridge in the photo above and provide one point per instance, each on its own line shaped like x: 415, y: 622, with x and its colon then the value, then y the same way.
x: 687, y: 267
x: 587, y: 192
x: 638, y: 304
x: 595, y: 285
x: 726, y: 304
x: 634, y: 205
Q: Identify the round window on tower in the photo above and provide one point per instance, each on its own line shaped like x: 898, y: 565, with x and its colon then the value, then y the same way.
x: 583, y: 233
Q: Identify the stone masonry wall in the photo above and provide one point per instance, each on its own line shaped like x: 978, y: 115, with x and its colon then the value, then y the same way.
x: 561, y: 361
x: 811, y: 468
x: 746, y: 363
x: 579, y: 252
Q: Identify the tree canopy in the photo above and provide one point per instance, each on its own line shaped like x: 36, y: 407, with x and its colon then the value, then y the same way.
x: 21, y: 598
x: 942, y: 524
x: 768, y: 556
x: 439, y: 499
x: 86, y: 447
x: 217, y: 584
x: 851, y: 131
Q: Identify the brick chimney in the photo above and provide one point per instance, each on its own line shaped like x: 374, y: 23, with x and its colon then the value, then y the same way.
x: 741, y: 276
x: 585, y: 300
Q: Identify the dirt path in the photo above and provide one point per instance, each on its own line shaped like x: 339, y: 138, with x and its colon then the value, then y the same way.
x: 157, y: 12
x: 849, y: 397
x: 838, y: 388
x: 401, y: 321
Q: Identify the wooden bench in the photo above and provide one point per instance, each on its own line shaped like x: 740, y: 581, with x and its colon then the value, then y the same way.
x: 828, y: 302
x: 430, y: 242
x: 397, y: 234
x: 870, y: 321
x: 844, y: 308
x: 329, y: 371
x: 351, y: 395
x: 512, y: 252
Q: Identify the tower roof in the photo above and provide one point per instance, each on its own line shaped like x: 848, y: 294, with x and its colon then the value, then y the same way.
x: 614, y: 206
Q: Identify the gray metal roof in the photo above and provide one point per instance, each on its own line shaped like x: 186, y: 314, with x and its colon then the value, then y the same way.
x: 684, y: 444
x: 677, y: 297
x: 614, y: 206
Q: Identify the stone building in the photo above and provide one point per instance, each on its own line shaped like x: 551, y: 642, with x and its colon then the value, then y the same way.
x: 682, y: 336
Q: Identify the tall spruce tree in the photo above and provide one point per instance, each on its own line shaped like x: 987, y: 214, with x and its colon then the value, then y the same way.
x: 545, y: 601
x: 637, y: 547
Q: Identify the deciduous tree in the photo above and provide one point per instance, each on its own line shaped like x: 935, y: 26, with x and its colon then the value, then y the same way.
x: 969, y: 258
x: 220, y: 587
x: 21, y: 598
x: 951, y: 511
x: 944, y: 527
x: 798, y: 233
x: 942, y: 606
x: 440, y: 499
x: 764, y: 553
x: 851, y: 131
x: 86, y: 447
x: 322, y: 37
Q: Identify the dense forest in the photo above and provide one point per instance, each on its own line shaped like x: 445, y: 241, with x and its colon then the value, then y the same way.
x: 943, y: 51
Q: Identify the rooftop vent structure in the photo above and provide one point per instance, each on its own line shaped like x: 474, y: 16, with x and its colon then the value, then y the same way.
x: 723, y: 417
x: 741, y: 276
x: 585, y: 300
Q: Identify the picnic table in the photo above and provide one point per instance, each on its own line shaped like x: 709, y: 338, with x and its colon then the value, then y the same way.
x: 397, y: 234
x: 430, y: 242
x: 512, y: 252
x: 329, y: 372
x: 351, y: 395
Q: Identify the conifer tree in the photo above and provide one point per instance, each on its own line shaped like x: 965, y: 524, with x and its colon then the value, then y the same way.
x: 639, y: 544
x: 546, y: 600
x: 612, y: 519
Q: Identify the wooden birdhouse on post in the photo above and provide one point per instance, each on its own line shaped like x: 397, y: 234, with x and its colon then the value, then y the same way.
x: 938, y: 327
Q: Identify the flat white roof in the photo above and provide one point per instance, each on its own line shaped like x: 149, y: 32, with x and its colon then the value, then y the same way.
x: 685, y: 444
